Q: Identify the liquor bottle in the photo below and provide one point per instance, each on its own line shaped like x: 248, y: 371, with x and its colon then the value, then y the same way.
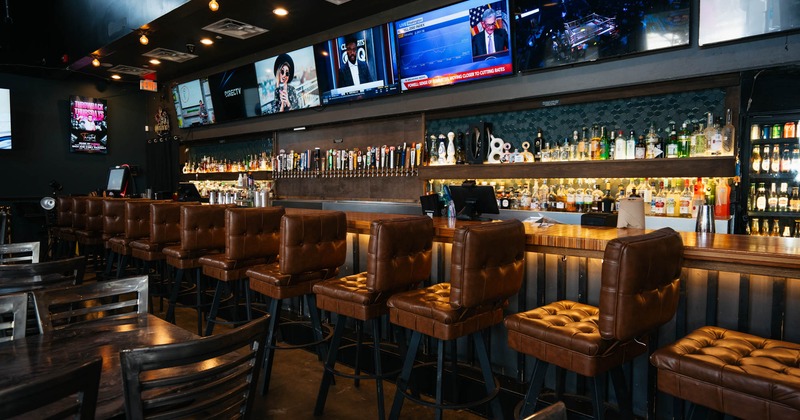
x: 765, y: 160
x: 776, y: 227
x: 607, y: 202
x: 686, y: 200
x: 797, y: 229
x: 765, y: 230
x: 559, y: 196
x: 671, y: 206
x: 647, y: 196
x: 714, y: 137
x: 783, y: 197
x: 684, y: 144
x: 722, y: 207
x: 786, y: 160
x: 728, y: 133
x: 565, y: 151
x: 640, y: 152
x: 572, y: 197
x: 632, y: 184
x: 605, y: 144
x: 660, y: 200
x: 755, y: 227
x: 795, y: 160
x: 619, y: 197
x: 775, y: 159
x: 698, y: 196
x: 594, y: 143
x: 794, y: 200
x: 751, y: 197
x: 700, y: 141
x: 761, y: 198
x: 790, y: 130
x: 584, y: 152
x: 772, y: 199
x: 544, y: 194
x: 620, y: 146
x: 597, y: 198
x: 630, y: 147
x: 672, y: 144
x: 755, y: 160
x: 538, y: 144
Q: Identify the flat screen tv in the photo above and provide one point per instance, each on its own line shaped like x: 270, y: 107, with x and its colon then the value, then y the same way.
x: 472, y: 200
x: 88, y: 131
x: 557, y: 33
x: 5, y: 119
x: 465, y: 41
x: 117, y: 184
x: 287, y: 82
x: 358, y: 65
x: 235, y: 94
x: 725, y: 20
x: 193, y: 104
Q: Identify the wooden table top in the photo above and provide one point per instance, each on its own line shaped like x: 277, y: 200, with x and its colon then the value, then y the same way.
x: 24, y: 359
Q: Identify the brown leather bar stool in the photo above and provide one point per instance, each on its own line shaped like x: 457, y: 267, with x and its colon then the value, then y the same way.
x: 202, y: 233
x: 487, y: 266
x: 113, y: 225
x: 736, y: 373
x: 137, y: 225
x: 639, y: 292
x: 399, y: 259
x: 90, y: 237
x: 313, y: 246
x: 251, y: 238
x: 165, y: 231
x: 64, y: 232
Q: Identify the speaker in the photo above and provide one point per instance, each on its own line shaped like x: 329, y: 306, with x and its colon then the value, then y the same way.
x: 477, y: 142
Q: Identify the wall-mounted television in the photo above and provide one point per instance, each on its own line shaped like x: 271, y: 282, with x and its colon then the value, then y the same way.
x: 465, y: 41
x: 358, y: 65
x: 725, y: 20
x: 235, y: 93
x: 117, y: 184
x: 556, y: 33
x: 5, y: 119
x: 287, y: 82
x: 193, y: 104
x: 88, y: 131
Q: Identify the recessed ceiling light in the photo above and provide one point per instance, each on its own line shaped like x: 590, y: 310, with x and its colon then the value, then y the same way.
x: 96, y: 62
x: 280, y: 11
x: 206, y: 41
x: 116, y: 76
x: 338, y: 2
x: 155, y: 61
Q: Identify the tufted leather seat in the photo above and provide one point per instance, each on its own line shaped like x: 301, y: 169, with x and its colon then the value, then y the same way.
x: 63, y: 230
x: 90, y: 235
x: 113, y: 225
x: 165, y: 219
x: 487, y: 266
x: 313, y: 245
x: 740, y: 374
x: 137, y: 225
x: 251, y: 238
x: 202, y: 232
x: 639, y: 292
x: 398, y: 259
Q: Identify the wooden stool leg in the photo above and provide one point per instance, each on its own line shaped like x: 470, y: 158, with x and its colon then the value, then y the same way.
x: 327, y: 375
x: 405, y: 374
x: 534, y: 389
x: 376, y: 339
x: 272, y: 334
x: 486, y: 370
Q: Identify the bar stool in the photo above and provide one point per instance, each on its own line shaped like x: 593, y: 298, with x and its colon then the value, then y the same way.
x: 64, y: 232
x: 113, y: 225
x: 252, y: 238
x: 399, y: 259
x: 202, y: 233
x: 137, y: 226
x: 639, y: 292
x: 488, y: 263
x: 312, y: 248
x: 165, y: 231
x: 90, y: 236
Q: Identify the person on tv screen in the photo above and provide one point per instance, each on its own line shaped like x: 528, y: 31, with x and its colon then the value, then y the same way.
x: 491, y: 39
x: 203, y: 112
x: 355, y: 71
x: 285, y: 95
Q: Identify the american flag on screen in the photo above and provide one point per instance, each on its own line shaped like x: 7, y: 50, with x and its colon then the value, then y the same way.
x: 475, y: 17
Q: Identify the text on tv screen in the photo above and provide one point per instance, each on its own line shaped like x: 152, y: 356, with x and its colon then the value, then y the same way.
x: 235, y: 93
x: 193, y: 103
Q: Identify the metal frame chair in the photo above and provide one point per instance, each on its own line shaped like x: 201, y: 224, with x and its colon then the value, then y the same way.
x: 8, y: 252
x: 27, y: 277
x: 17, y: 306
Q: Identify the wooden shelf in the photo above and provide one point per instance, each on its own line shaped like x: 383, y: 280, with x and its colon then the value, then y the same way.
x: 224, y: 176
x: 756, y: 213
x: 722, y: 166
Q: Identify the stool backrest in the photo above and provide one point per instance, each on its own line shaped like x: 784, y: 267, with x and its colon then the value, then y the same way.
x: 64, y: 211
x: 114, y: 216
x: 79, y: 212
x: 203, y: 227
x: 137, y: 218
x: 165, y: 222
x: 252, y: 232
x: 640, y: 283
x: 399, y: 255
x: 94, y: 214
x: 487, y: 263
x: 313, y: 242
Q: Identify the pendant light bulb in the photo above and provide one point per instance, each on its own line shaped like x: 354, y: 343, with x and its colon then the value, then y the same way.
x: 144, y: 40
x: 213, y: 5
x: 96, y: 62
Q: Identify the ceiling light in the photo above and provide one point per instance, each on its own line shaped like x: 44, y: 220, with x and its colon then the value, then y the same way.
x: 95, y: 62
x: 155, y: 61
x: 280, y: 11
x: 116, y: 76
x: 143, y: 39
x: 213, y: 5
x: 206, y: 41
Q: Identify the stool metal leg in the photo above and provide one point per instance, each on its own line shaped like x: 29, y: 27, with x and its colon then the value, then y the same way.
x: 327, y: 375
x: 622, y: 392
x: 212, y: 313
x: 405, y: 374
x: 272, y: 333
x: 376, y: 333
x: 316, y: 324
x: 173, y: 297
x: 598, y: 391
x: 199, y: 301
x: 359, y: 343
x: 439, y: 375
x: 486, y: 370
x: 534, y: 389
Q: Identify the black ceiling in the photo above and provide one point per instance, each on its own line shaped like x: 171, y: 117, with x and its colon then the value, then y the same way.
x: 54, y: 39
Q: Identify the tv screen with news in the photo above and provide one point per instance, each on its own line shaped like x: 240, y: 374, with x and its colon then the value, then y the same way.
x: 235, y: 94
x: 5, y: 119
x: 550, y: 34
x: 287, y: 82
x: 88, y: 131
x: 358, y: 66
x: 193, y: 104
x: 462, y: 42
x: 723, y: 20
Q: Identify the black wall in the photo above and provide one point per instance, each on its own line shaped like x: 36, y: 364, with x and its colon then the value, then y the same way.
x: 39, y: 127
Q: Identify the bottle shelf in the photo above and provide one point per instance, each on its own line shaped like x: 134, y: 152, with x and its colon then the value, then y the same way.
x: 782, y: 140
x: 338, y: 173
x: 773, y: 176
x: 755, y: 213
x: 223, y: 176
x: 716, y: 166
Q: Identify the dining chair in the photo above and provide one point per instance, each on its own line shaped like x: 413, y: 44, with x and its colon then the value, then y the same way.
x: 53, y: 395
x: 211, y: 377
x: 22, y: 252
x: 58, y: 308
x: 26, y: 277
x: 13, y: 316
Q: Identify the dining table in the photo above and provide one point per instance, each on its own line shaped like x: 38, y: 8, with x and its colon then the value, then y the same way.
x: 26, y: 359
